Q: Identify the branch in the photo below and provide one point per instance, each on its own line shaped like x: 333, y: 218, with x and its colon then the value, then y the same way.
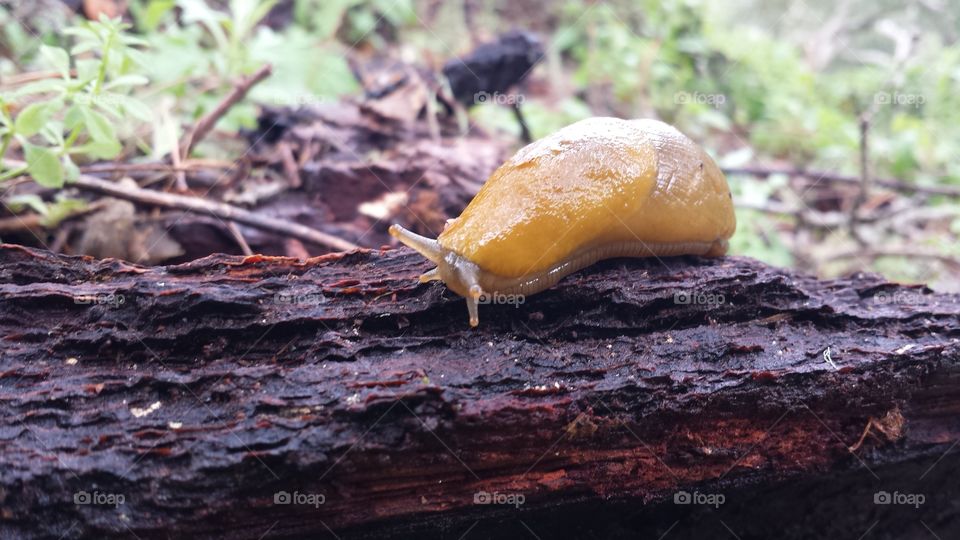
x: 905, y: 252
x: 157, y: 166
x: 221, y: 210
x: 866, y: 180
x: 33, y: 221
x: 892, y: 183
x: 195, y: 204
x: 203, y: 127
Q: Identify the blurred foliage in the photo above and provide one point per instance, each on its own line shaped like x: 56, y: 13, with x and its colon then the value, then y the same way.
x: 74, y: 113
x: 205, y: 44
x: 768, y: 82
x: 773, y: 82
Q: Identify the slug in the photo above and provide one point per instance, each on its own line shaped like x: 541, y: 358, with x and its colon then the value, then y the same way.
x: 597, y: 189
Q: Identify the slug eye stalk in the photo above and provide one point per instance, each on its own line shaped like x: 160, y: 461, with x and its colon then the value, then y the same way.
x: 421, y: 244
x: 458, y: 273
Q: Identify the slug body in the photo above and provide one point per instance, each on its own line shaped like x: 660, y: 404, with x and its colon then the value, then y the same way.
x: 597, y: 189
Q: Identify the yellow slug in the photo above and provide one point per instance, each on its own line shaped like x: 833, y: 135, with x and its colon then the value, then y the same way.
x: 597, y: 189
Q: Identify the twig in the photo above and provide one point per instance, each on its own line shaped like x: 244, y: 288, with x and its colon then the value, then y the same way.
x: 238, y: 236
x: 865, y: 179
x: 223, y: 211
x: 892, y: 183
x: 904, y: 252
x: 33, y: 76
x: 290, y: 167
x: 149, y: 173
x: 205, y: 124
x: 187, y: 166
x: 34, y: 221
x: 309, y: 151
x: 524, y: 129
x: 60, y: 238
x: 816, y: 219
x: 180, y: 177
x: 19, y: 223
x: 829, y: 220
x: 925, y: 214
x: 433, y: 124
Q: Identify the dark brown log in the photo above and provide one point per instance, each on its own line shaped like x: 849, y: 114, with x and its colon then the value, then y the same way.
x: 197, y: 393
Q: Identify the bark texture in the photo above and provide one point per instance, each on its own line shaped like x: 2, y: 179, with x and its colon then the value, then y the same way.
x: 195, y: 400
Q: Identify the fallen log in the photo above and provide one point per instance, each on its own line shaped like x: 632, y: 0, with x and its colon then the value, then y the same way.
x: 267, y: 397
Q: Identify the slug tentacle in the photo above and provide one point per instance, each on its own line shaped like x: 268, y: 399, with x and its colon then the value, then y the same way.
x: 473, y: 312
x: 430, y: 275
x: 425, y: 246
x: 457, y: 272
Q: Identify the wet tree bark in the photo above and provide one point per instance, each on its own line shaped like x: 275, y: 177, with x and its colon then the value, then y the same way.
x: 268, y: 397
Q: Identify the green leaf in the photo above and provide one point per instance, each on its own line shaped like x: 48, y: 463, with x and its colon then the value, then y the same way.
x: 71, y: 171
x: 87, y: 70
x: 137, y: 57
x: 41, y: 87
x: 99, y: 128
x: 61, y: 209
x: 44, y: 166
x: 328, y: 15
x: 58, y: 58
x: 197, y: 11
x: 27, y: 200
x: 107, y: 103
x: 132, y: 106
x: 99, y: 149
x: 127, y: 81
x: 82, y: 32
x: 150, y: 17
x: 133, y: 41
x: 84, y: 46
x: 52, y: 132
x: 74, y: 117
x: 261, y: 9
x: 34, y: 116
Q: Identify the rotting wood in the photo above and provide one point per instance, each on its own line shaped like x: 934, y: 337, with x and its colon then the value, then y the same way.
x: 202, y: 392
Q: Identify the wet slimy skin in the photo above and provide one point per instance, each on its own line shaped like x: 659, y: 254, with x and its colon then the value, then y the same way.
x: 597, y: 189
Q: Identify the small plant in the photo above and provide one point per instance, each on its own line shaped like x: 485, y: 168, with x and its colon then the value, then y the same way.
x: 74, y: 113
x: 231, y: 31
x: 199, y: 50
x: 51, y: 213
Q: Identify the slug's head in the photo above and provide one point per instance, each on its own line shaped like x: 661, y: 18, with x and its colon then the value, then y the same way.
x: 454, y: 270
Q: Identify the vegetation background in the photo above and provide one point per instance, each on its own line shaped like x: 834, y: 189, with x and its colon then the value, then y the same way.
x: 785, y: 89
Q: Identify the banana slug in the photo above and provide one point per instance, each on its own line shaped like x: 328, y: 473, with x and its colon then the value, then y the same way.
x: 597, y: 189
